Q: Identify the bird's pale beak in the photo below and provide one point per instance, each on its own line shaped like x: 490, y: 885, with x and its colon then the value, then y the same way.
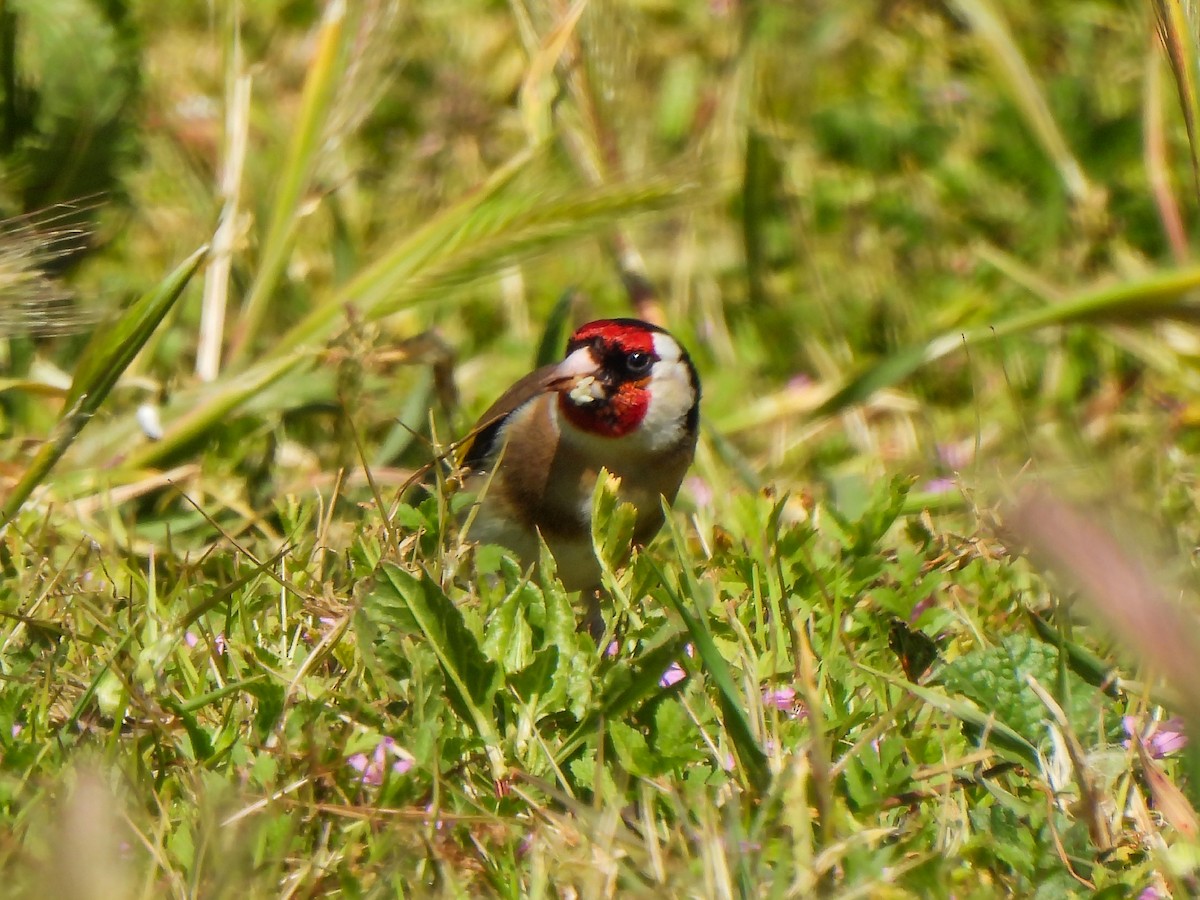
x: 576, y: 376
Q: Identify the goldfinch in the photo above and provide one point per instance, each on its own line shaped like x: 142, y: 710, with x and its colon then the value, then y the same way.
x: 626, y: 398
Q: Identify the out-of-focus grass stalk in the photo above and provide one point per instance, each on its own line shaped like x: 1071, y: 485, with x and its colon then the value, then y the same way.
x: 1177, y: 31
x: 315, y: 107
x: 589, y: 141
x: 216, y: 282
x: 378, y: 282
x: 1121, y: 590
x: 1163, y: 295
x: 997, y: 42
x: 105, y: 357
x: 209, y: 409
x: 1157, y: 167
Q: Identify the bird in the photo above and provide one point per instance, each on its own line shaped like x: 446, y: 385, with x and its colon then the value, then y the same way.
x: 625, y: 398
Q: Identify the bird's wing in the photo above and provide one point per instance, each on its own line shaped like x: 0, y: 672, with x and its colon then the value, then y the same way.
x: 478, y: 445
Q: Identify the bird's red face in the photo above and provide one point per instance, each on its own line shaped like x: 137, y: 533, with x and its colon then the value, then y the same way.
x: 624, y: 376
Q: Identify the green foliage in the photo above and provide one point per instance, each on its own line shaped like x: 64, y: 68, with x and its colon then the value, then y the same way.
x: 920, y: 255
x: 68, y: 76
x: 997, y: 678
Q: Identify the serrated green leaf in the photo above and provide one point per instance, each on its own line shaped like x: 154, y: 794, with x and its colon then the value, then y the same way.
x: 509, y: 639
x: 984, y: 726
x: 995, y: 678
x: 613, y: 523
x: 675, y: 734
x: 625, y: 689
x: 632, y: 750
x: 471, y: 680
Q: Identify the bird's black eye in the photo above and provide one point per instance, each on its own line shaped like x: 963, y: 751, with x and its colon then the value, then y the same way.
x: 638, y: 363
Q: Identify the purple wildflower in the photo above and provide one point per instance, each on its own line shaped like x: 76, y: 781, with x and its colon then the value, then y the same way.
x: 374, y: 768
x: 938, y: 486
x: 1161, y: 739
x: 786, y: 700
x: 672, y: 676
x: 921, y: 606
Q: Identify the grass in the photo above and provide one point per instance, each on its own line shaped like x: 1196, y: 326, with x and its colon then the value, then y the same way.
x: 934, y: 561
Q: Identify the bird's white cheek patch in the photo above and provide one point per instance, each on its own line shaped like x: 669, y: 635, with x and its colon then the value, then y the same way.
x: 671, y: 396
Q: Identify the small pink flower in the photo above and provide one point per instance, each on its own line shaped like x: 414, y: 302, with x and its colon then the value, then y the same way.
x: 219, y: 644
x: 785, y: 700
x: 938, y: 486
x: 700, y: 490
x: 374, y: 768
x: 612, y: 649
x: 780, y: 698
x: 672, y: 676
x: 17, y: 728
x: 921, y: 606
x: 1161, y: 739
x: 190, y: 639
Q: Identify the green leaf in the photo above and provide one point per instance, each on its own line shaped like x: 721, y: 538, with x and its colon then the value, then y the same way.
x: 625, y: 689
x: 995, y: 678
x: 986, y: 727
x: 613, y: 523
x: 471, y: 680
x: 509, y: 639
x: 632, y: 750
x: 556, y: 330
x: 1163, y: 294
x: 311, y: 126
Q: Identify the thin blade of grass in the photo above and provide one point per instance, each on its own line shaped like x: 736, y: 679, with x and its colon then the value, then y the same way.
x: 1163, y: 295
x: 194, y: 414
x: 1178, y: 36
x: 478, y: 237
x: 732, y: 704
x: 991, y: 731
x: 998, y: 44
x: 554, y: 334
x: 315, y: 105
x: 104, y: 359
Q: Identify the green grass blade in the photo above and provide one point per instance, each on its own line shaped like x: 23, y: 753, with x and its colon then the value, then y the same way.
x: 556, y: 330
x: 1014, y: 72
x: 479, y: 236
x: 980, y: 724
x: 1082, y: 661
x: 732, y: 704
x: 194, y: 414
x: 640, y: 681
x: 316, y: 101
x: 1163, y: 295
x: 372, y: 286
x: 1178, y: 36
x: 106, y: 356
